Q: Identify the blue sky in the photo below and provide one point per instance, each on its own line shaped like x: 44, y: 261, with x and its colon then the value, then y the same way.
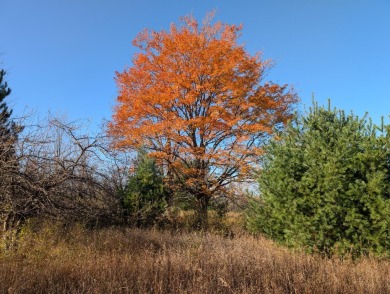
x: 61, y: 55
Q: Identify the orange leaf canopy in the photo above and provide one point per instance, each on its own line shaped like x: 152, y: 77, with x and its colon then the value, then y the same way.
x: 194, y: 97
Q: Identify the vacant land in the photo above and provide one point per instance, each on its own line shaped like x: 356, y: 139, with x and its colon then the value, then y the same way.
x: 76, y: 260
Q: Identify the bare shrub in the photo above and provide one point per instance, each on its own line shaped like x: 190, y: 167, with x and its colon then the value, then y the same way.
x: 59, y: 172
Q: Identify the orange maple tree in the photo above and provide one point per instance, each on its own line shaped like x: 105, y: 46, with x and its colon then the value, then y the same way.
x: 195, y: 99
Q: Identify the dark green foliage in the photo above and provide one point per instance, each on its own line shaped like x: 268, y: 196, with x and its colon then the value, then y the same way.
x: 10, y: 212
x: 9, y: 130
x: 220, y: 205
x: 325, y: 185
x: 4, y: 92
x: 144, y: 198
x: 7, y: 127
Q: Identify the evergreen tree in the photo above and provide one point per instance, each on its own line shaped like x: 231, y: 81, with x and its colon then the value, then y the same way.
x: 145, y: 195
x: 325, y: 185
x: 10, y: 216
x: 7, y: 127
x: 9, y: 130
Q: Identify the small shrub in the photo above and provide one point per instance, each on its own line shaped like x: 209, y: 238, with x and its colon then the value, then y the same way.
x: 144, y: 198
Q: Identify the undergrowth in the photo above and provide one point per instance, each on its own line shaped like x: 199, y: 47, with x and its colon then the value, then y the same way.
x: 57, y: 259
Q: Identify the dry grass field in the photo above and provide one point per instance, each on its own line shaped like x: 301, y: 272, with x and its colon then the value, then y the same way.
x: 75, y: 260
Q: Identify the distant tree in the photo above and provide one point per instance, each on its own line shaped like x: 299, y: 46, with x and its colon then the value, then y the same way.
x: 8, y: 129
x: 144, y: 198
x: 325, y: 185
x: 194, y: 97
x: 8, y: 136
x: 4, y: 92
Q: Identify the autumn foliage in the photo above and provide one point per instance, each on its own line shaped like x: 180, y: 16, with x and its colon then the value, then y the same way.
x: 193, y: 96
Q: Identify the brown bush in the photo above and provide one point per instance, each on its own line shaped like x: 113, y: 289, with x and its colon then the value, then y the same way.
x: 56, y: 170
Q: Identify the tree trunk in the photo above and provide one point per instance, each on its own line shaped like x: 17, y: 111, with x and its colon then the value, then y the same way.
x: 201, y: 218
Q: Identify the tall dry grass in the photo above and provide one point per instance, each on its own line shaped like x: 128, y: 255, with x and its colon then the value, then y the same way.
x: 55, y: 260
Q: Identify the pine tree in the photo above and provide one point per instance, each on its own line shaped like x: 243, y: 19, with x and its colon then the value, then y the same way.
x: 8, y: 136
x: 9, y: 212
x: 325, y: 185
x: 9, y: 130
x: 6, y: 126
x: 145, y: 194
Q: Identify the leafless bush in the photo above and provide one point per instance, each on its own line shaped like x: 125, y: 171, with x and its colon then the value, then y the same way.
x: 55, y: 170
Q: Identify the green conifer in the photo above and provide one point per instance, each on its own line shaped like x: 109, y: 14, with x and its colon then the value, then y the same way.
x: 325, y: 185
x: 145, y: 195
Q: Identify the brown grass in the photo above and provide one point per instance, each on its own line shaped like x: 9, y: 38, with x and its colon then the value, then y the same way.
x: 76, y: 260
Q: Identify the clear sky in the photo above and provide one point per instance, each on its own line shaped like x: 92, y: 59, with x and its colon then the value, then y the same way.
x: 61, y: 55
